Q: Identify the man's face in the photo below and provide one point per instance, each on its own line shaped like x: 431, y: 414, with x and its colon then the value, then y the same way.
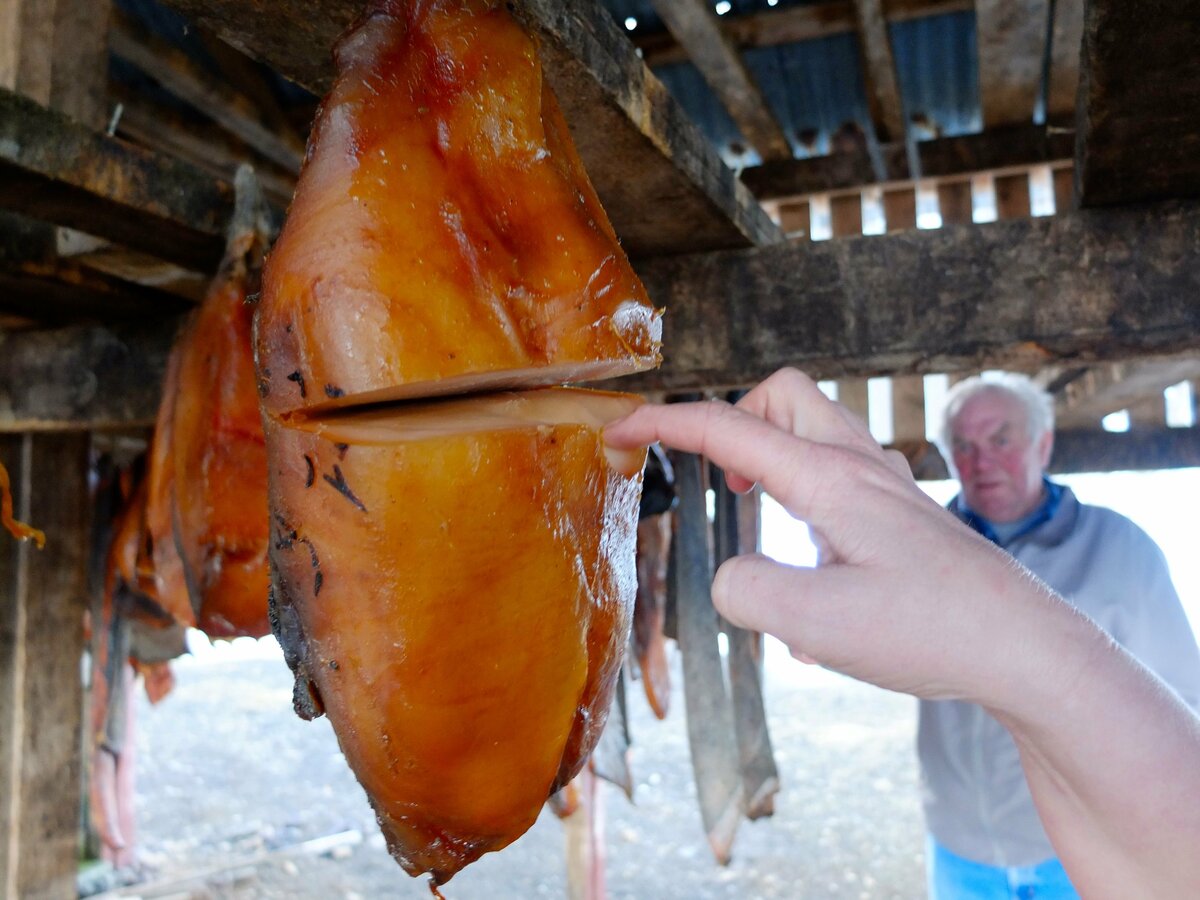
x: 999, y: 467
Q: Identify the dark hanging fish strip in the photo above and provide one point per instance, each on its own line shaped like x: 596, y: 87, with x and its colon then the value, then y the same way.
x: 339, y: 482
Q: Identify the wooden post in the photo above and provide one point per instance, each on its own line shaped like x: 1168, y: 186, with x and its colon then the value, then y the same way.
x: 56, y: 52
x: 42, y: 599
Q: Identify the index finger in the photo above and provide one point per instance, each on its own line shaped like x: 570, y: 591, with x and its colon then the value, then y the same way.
x: 785, y: 465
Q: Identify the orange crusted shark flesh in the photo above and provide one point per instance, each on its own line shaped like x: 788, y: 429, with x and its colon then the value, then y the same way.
x: 206, y: 508
x: 444, y: 237
x: 453, y: 585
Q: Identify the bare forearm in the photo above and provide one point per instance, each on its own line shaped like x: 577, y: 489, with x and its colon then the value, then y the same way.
x: 1110, y: 754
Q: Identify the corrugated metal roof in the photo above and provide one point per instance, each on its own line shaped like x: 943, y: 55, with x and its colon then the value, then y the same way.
x: 815, y: 87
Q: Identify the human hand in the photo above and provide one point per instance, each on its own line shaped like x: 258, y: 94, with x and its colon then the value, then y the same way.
x: 905, y: 597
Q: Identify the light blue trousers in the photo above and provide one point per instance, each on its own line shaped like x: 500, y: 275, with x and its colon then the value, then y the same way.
x: 951, y: 877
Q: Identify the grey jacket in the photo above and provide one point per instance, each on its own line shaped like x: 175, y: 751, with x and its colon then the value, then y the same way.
x: 976, y: 801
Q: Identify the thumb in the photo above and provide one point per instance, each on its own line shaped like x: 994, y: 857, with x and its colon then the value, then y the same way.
x: 758, y: 593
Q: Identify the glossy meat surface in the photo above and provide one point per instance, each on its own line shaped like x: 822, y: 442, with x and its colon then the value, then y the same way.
x: 206, y: 508
x: 19, y: 530
x: 458, y: 606
x: 221, y: 500
x: 444, y: 236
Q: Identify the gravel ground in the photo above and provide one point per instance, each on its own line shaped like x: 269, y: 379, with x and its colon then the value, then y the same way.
x: 227, y: 774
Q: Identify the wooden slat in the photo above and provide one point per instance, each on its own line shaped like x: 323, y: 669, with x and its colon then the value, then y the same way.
x: 845, y: 216
x: 662, y: 183
x: 1140, y: 101
x: 41, y: 632
x: 900, y: 209
x: 204, y: 145
x: 187, y: 80
x: 795, y: 219
x: 83, y: 377
x: 879, y: 68
x: 694, y: 25
x: 1010, y: 294
x: 1012, y: 196
x: 35, y: 281
x: 1000, y: 148
x: 1085, y: 400
x: 1066, y: 38
x: 908, y: 391
x: 1011, y: 36
x: 1093, y: 450
x: 790, y: 24
x: 56, y: 170
x: 955, y: 203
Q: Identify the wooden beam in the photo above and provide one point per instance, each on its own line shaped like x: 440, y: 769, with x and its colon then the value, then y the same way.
x: 955, y: 203
x: 36, y: 282
x: 55, y: 52
x: 1012, y: 196
x: 175, y: 71
x: 662, y: 183
x: 1000, y: 148
x: 204, y: 145
x: 42, y: 602
x: 1011, y: 36
x: 1023, y: 293
x: 791, y: 24
x: 59, y: 171
x: 1139, y: 136
x: 1084, y: 401
x: 83, y: 377
x: 879, y: 70
x: 1093, y: 450
x: 694, y: 25
x: 1065, y: 40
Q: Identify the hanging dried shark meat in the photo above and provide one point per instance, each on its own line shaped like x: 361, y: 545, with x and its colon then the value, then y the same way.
x: 207, y: 503
x: 453, y: 578
x: 444, y: 237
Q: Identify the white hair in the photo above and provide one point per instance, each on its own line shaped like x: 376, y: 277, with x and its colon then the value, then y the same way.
x: 1037, y: 403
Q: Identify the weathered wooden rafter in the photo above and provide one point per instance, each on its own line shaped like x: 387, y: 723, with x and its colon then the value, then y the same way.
x: 1139, y: 135
x: 791, y: 24
x: 38, y: 283
x: 1091, y: 450
x: 1083, y: 287
x: 1105, y: 389
x: 56, y: 170
x: 1000, y: 148
x: 663, y: 185
x: 175, y: 70
x: 1066, y: 37
x: 1011, y: 36
x: 695, y: 26
x: 879, y: 70
x: 1026, y: 293
x: 83, y: 376
x: 204, y: 145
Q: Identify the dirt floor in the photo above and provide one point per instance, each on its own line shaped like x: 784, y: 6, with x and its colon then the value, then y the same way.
x: 230, y: 782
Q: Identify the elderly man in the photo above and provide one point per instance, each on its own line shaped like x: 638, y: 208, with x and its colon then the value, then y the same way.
x: 986, y: 839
